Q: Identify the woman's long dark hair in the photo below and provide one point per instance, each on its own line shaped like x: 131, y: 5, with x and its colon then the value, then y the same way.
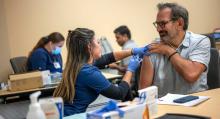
x: 78, y: 54
x: 54, y: 37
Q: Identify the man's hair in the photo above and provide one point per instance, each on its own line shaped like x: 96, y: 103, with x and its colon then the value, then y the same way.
x: 177, y: 12
x: 122, y: 30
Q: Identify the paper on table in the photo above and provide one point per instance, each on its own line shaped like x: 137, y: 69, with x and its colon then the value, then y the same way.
x: 168, y: 99
x: 76, y: 116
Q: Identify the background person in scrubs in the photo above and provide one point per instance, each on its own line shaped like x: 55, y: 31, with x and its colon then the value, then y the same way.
x: 46, y: 54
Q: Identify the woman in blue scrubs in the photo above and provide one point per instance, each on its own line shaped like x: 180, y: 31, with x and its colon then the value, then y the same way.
x: 46, y: 54
x: 82, y: 81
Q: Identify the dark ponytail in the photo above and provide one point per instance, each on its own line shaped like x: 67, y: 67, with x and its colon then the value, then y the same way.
x: 54, y: 37
x: 77, y: 54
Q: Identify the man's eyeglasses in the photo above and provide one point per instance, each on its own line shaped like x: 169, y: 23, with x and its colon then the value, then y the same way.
x: 161, y: 24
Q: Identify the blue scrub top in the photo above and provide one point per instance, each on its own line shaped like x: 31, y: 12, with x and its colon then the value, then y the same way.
x: 89, y: 83
x: 42, y: 60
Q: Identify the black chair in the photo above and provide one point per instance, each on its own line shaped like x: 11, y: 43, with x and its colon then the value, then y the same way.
x: 19, y: 64
x: 212, y: 40
x: 213, y: 76
x: 105, y: 45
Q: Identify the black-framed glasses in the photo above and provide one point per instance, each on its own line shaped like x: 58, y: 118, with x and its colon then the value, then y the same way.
x: 161, y: 24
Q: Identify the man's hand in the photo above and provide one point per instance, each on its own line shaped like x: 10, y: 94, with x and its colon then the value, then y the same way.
x: 121, y: 69
x: 161, y: 48
x: 113, y: 66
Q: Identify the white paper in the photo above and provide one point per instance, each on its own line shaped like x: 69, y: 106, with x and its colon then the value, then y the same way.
x: 168, y: 99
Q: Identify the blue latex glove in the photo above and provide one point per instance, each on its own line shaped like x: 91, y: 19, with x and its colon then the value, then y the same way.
x: 134, y: 63
x: 111, y: 106
x: 141, y: 51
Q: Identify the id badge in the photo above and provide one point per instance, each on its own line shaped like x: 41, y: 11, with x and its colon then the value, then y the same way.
x: 56, y: 65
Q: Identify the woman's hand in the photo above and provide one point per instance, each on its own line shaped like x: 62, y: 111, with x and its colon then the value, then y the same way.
x: 140, y: 51
x: 134, y: 63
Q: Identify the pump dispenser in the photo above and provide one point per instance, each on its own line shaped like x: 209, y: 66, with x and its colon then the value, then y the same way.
x: 35, y: 111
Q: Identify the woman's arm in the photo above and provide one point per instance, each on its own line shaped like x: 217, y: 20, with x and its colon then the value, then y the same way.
x: 118, y: 55
x: 104, y: 60
x: 37, y: 61
x: 109, y: 58
x: 122, y: 91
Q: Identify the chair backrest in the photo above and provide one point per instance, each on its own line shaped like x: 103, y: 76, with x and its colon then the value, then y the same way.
x: 212, y: 40
x: 106, y: 46
x: 19, y: 64
x: 213, y: 76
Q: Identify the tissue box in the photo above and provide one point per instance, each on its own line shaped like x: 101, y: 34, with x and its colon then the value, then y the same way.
x: 30, y: 80
x: 52, y: 107
x: 149, y: 96
x: 131, y: 111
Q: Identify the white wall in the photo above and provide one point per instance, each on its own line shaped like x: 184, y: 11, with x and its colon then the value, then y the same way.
x: 28, y: 20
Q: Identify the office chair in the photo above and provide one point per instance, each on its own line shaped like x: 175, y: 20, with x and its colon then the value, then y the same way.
x: 105, y: 45
x: 107, y: 48
x: 212, y: 40
x: 213, y: 76
x: 19, y: 64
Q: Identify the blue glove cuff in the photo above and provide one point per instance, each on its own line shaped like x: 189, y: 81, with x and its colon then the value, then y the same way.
x: 111, y: 106
x: 131, y: 70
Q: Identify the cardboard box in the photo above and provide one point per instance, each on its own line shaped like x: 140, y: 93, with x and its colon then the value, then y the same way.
x: 149, y: 96
x: 18, y: 82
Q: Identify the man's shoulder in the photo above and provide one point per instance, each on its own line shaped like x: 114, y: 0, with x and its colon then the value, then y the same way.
x: 129, y: 44
x: 155, y: 57
x: 197, y: 37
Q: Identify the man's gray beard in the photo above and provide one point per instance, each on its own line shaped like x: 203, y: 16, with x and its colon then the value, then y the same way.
x: 165, y: 39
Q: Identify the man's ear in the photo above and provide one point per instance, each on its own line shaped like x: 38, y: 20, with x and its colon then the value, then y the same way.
x: 124, y: 38
x: 180, y: 23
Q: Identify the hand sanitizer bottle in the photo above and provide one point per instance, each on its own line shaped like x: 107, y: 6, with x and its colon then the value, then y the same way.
x: 35, y: 111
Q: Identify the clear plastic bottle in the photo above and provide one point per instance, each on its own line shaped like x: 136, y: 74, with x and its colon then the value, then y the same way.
x: 35, y: 111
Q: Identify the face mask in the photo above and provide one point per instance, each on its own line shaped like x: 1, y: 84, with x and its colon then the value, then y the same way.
x: 56, y: 51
